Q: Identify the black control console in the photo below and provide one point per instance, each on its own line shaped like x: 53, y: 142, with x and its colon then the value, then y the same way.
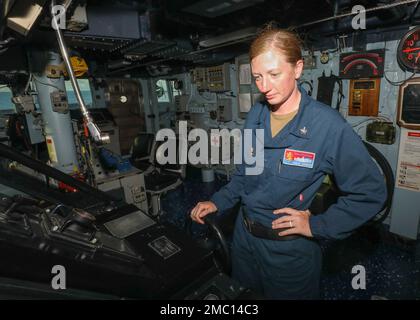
x: 106, y: 247
x: 149, y: 262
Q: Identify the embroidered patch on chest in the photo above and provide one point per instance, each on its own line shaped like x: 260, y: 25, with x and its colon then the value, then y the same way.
x: 299, y: 158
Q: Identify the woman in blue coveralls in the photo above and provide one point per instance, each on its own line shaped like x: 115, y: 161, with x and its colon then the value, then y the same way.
x: 274, y: 250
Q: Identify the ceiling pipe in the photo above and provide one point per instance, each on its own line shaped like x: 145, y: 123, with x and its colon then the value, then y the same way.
x: 351, y: 14
x: 94, y: 131
x: 229, y: 37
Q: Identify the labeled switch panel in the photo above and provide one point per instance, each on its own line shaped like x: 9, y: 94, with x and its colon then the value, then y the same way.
x: 215, y: 79
x: 199, y: 77
x: 59, y: 102
x: 218, y: 78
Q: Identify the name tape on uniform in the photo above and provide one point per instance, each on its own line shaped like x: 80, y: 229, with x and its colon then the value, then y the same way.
x: 299, y: 158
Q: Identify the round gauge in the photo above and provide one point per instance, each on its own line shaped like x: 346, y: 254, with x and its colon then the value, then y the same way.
x: 408, y: 53
x: 178, y: 84
x: 324, y: 58
x: 123, y: 99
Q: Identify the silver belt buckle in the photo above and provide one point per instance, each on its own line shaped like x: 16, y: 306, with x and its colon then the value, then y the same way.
x: 246, y: 224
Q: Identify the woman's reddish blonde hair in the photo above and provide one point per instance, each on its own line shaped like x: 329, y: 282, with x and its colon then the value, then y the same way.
x: 286, y: 41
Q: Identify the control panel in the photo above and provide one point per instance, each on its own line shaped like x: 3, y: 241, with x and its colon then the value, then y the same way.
x: 214, y: 79
x: 199, y: 77
x: 364, y: 97
x: 218, y: 78
x: 59, y: 101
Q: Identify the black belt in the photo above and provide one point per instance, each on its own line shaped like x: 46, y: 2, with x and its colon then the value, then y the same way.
x: 260, y: 231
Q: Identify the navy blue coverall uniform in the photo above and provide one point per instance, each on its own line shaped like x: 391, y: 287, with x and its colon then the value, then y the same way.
x: 291, y: 269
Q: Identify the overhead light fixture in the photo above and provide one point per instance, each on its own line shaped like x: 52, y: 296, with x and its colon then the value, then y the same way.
x: 217, y: 8
x: 221, y: 6
x: 24, y: 14
x: 235, y: 36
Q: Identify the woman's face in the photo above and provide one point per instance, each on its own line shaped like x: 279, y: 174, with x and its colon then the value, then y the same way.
x: 275, y: 77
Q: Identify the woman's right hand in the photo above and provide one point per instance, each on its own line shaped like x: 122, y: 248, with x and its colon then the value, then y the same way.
x: 202, y: 209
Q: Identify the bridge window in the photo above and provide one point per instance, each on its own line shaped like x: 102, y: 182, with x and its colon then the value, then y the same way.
x: 162, y: 91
